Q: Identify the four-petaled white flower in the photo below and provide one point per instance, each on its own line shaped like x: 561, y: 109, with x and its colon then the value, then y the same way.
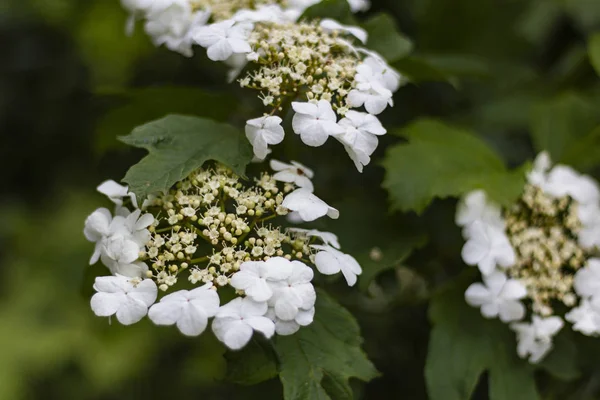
x: 293, y: 173
x: 315, y: 122
x: 128, y: 298
x: 388, y: 76
x: 330, y: 25
x: 308, y: 206
x: 254, y: 277
x: 294, y: 294
x: 236, y: 321
x: 535, y: 338
x: 116, y: 192
x: 585, y: 318
x: 498, y: 297
x: 476, y: 207
x: 487, y: 247
x: 587, y: 280
x: 330, y: 261
x: 262, y: 132
x: 370, y: 91
x: 360, y: 136
x: 189, y: 310
x: 120, y: 255
x: 222, y: 39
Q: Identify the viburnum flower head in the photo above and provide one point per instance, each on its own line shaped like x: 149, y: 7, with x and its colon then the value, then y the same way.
x: 315, y: 122
x: 534, y: 340
x: 189, y: 310
x: 127, y: 298
x: 330, y: 261
x: 499, y: 296
x: 254, y: 277
x: 487, y: 247
x: 222, y: 39
x: 293, y: 173
x: 262, y: 132
x: 236, y: 321
x: 308, y: 206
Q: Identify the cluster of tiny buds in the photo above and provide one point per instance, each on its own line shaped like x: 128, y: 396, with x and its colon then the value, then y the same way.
x: 301, y: 58
x: 225, y: 9
x: 210, y: 224
x: 543, y: 232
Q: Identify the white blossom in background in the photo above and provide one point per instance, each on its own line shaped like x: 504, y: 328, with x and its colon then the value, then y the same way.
x: 498, y: 297
x: 236, y: 321
x: 534, y: 340
x: 330, y: 261
x: 294, y: 172
x: 262, y: 132
x: 315, y: 122
x: 127, y: 298
x: 222, y: 39
x: 541, y: 251
x: 308, y: 206
x: 189, y: 310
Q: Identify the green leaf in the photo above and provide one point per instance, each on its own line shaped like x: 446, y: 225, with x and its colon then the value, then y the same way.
x: 335, y: 9
x: 177, y: 145
x: 594, y: 51
x: 440, y: 161
x: 561, y: 362
x: 558, y: 122
x: 418, y: 70
x: 385, y: 38
x: 138, y: 106
x: 392, y: 257
x: 463, y: 345
x: 255, y: 363
x: 584, y: 154
x: 318, y: 361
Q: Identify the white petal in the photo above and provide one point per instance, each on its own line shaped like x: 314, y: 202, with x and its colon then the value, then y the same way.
x: 477, y: 294
x: 262, y: 324
x: 132, y: 311
x: 193, y: 320
x: 107, y: 304
x: 219, y: 51
x: 286, y: 328
x: 489, y: 310
x: 165, y: 312
x: 305, y: 318
x: 511, y: 310
x: 146, y: 292
x: 327, y: 263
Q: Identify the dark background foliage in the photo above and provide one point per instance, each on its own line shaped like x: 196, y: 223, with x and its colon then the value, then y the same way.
x: 515, y: 72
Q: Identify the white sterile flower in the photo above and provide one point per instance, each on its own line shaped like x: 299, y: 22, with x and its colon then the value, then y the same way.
x: 293, y: 173
x: 128, y: 298
x: 585, y: 318
x: 120, y: 255
x: 236, y: 321
x: 587, y: 280
x: 476, y: 207
x: 360, y: 136
x: 308, y: 206
x: 293, y: 294
x: 189, y: 310
x: 285, y: 328
x: 589, y: 235
x: 539, y: 173
x: 330, y: 239
x: 370, y: 91
x: 134, y: 225
x: 498, y: 297
x: 330, y: 261
x: 253, y: 277
x: 97, y: 228
x: 330, y: 25
x: 563, y: 180
x: 315, y: 122
x: 487, y: 246
x: 222, y: 39
x: 116, y: 192
x: 264, y: 13
x: 535, y: 338
x: 388, y: 76
x: 359, y: 5
x: 262, y: 132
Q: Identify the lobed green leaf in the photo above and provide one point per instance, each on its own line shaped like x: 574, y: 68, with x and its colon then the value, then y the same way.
x: 385, y: 38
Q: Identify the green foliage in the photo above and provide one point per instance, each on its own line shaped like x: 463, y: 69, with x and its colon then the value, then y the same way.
x: 385, y: 38
x: 318, y: 361
x: 441, y: 161
x: 594, y: 51
x: 561, y: 362
x: 335, y: 9
x: 255, y: 363
x: 558, y: 122
x: 463, y: 346
x: 584, y: 153
x: 177, y: 145
x: 138, y: 106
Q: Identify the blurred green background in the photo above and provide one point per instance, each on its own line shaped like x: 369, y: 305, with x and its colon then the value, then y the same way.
x: 71, y: 82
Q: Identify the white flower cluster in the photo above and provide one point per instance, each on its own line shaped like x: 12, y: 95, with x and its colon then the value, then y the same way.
x: 313, y: 66
x: 214, y: 228
x: 537, y: 256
